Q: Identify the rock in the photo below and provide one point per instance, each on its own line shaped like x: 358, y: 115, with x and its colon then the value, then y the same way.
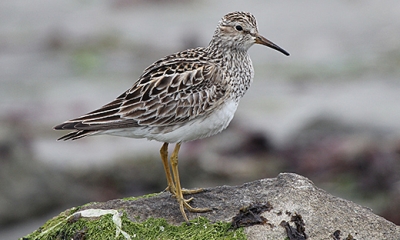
x: 286, y: 207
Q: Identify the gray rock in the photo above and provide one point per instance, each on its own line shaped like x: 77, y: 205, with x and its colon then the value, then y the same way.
x: 290, y: 206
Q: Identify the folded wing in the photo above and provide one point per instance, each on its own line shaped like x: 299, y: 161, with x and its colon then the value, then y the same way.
x: 166, y: 94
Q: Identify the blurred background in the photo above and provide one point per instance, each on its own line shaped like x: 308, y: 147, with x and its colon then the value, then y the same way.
x: 329, y: 112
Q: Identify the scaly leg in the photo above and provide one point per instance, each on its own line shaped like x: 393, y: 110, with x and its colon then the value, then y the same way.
x: 164, y: 158
x: 171, y: 185
x: 183, y: 203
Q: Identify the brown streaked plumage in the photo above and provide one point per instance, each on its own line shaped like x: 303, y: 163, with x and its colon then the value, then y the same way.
x: 182, y: 97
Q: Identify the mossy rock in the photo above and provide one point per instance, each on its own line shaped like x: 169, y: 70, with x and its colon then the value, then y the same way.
x: 112, y: 224
x: 289, y: 206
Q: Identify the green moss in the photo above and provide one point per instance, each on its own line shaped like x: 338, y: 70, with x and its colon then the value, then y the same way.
x: 144, y: 196
x: 104, y: 227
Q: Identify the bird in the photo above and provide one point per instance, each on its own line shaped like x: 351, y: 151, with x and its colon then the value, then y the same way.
x: 184, y: 96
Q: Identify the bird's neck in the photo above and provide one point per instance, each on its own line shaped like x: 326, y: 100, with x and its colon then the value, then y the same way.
x: 236, y: 63
x: 221, y: 50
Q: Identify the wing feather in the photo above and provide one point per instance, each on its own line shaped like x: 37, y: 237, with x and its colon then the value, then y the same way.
x: 168, y: 93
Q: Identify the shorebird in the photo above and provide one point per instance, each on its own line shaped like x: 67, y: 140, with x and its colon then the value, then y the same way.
x: 182, y: 97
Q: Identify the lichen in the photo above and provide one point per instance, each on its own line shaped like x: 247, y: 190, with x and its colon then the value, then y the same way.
x: 111, y: 224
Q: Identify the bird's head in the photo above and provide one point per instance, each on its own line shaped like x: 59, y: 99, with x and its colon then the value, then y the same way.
x: 239, y: 30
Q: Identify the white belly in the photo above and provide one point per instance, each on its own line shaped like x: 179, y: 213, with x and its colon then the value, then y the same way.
x: 195, y: 129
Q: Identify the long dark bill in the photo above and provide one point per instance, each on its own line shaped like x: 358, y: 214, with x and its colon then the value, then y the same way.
x: 263, y: 41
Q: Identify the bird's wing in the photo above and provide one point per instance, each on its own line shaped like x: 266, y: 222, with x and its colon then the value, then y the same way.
x: 166, y: 94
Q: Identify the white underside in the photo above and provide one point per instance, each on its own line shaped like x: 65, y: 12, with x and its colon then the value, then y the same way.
x: 195, y: 129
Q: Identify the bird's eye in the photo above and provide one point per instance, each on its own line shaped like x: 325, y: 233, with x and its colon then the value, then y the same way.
x: 239, y: 28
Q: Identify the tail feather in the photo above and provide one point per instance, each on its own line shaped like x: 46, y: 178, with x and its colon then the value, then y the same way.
x: 66, y: 126
x: 76, y: 135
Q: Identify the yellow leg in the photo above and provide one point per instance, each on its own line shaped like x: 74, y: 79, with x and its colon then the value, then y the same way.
x: 171, y: 186
x: 183, y: 203
x: 164, y: 158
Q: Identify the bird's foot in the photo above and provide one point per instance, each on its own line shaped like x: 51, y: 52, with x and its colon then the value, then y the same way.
x: 192, y: 191
x: 172, y: 190
x: 184, y: 203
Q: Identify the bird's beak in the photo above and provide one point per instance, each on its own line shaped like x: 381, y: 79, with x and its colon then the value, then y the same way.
x: 263, y: 41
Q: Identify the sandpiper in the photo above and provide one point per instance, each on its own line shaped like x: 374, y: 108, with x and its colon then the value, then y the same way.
x: 185, y: 96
